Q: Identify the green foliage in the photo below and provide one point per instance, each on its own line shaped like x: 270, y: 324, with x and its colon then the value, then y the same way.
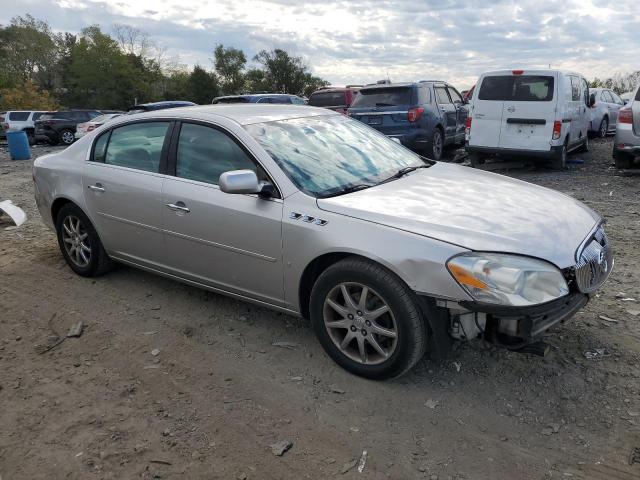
x: 202, y: 86
x: 619, y: 83
x: 230, y: 63
x: 97, y: 70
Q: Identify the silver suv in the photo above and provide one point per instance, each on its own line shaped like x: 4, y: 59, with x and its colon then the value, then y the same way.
x: 626, y: 146
x: 310, y: 212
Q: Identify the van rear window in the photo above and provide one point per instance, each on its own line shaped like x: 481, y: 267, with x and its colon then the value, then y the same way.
x: 520, y: 88
x: 383, y: 97
x: 327, y: 99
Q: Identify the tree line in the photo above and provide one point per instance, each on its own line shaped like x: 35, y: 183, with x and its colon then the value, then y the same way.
x: 95, y: 69
x: 619, y: 83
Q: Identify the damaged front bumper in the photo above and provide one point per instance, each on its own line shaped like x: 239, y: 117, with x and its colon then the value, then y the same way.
x: 511, y: 327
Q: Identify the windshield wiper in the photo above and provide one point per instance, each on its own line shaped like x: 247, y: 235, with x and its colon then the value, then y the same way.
x: 349, y: 189
x: 403, y: 171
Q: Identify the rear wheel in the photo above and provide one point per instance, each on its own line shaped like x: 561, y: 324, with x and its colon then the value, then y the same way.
x: 367, y: 319
x: 436, y: 145
x: 604, y: 128
x: 585, y: 146
x: 560, y: 161
x: 80, y: 244
x: 622, y: 160
x: 31, y: 138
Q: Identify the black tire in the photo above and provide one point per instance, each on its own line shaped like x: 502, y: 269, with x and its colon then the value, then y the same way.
x: 560, y: 161
x: 66, y: 137
x: 435, y: 147
x: 622, y: 160
x: 604, y: 128
x: 99, y: 262
x: 476, y: 159
x: 410, y: 326
x: 31, y: 138
x: 585, y: 146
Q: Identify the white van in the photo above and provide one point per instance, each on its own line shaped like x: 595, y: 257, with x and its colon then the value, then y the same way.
x: 536, y: 113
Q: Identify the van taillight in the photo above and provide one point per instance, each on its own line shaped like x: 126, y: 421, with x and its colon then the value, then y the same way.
x: 625, y: 115
x: 517, y: 72
x: 557, y: 129
x: 467, y: 127
x: 414, y: 114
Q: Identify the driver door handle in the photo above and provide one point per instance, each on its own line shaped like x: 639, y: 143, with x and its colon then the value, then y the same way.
x: 96, y: 188
x: 178, y: 207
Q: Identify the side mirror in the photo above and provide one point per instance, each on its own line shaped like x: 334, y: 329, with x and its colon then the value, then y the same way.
x: 592, y: 100
x: 242, y: 182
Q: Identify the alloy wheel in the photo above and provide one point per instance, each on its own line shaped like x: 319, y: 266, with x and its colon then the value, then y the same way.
x: 604, y: 127
x: 75, y: 236
x: 437, y: 145
x: 67, y: 138
x: 360, y: 323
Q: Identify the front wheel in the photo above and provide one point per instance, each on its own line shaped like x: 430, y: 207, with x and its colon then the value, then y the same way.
x: 67, y: 137
x: 367, y: 319
x: 604, y: 128
x: 79, y: 243
x: 436, y: 145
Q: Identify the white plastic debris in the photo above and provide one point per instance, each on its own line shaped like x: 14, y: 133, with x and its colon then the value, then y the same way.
x: 362, y: 462
x: 16, y: 213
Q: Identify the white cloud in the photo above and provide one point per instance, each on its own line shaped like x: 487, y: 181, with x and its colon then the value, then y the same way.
x: 364, y: 40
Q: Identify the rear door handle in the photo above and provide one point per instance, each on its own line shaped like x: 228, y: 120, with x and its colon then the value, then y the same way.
x: 178, y: 207
x: 96, y: 188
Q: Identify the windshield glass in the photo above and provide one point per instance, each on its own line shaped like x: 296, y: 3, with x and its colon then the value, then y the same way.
x: 382, y: 97
x: 327, y: 154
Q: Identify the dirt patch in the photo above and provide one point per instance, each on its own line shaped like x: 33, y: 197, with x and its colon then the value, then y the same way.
x: 168, y: 381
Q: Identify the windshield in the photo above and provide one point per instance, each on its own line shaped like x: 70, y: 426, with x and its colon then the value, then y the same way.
x: 328, y: 154
x: 383, y: 97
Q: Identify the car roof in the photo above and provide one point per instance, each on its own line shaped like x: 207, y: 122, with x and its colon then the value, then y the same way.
x: 238, y: 112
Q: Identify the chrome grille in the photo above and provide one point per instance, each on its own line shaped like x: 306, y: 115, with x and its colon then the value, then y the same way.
x: 595, y: 262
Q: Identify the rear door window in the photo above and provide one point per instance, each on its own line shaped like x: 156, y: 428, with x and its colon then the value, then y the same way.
x: 205, y: 153
x: 138, y: 146
x: 19, y: 116
x: 327, y: 99
x: 616, y: 98
x: 383, y: 97
x: 518, y: 88
x: 442, y: 97
x: 606, y: 96
x: 455, y: 96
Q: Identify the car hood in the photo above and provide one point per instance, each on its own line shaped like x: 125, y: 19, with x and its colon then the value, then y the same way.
x: 477, y: 210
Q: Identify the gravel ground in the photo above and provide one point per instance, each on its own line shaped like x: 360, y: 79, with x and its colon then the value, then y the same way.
x: 168, y: 381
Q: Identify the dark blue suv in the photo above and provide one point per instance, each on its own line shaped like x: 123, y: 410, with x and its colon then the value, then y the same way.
x: 423, y: 116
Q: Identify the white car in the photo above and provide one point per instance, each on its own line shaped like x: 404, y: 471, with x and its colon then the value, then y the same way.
x: 604, y: 104
x: 21, y: 120
x: 536, y: 113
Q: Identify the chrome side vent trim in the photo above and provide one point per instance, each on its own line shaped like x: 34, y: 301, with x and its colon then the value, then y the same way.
x: 308, y: 219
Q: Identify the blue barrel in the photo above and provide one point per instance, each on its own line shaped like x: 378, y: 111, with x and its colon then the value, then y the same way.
x: 18, y: 145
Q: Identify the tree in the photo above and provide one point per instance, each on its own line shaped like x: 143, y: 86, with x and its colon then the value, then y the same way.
x: 133, y: 40
x: 29, y: 52
x: 26, y: 96
x: 284, y: 73
x: 202, y: 86
x: 229, y: 64
x: 255, y: 81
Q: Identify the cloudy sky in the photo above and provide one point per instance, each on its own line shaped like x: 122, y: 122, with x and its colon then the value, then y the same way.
x: 365, y: 40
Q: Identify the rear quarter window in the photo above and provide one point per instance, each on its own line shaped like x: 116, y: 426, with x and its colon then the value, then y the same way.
x: 327, y: 99
x: 19, y: 116
x: 383, y: 97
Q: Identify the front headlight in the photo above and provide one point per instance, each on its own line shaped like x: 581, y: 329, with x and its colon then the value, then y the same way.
x: 507, y: 279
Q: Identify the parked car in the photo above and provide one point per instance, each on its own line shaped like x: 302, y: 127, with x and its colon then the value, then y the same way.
x: 532, y: 113
x: 83, y: 128
x: 153, y: 106
x: 312, y: 213
x: 424, y: 116
x: 60, y: 126
x: 626, y: 145
x: 605, y: 104
x: 334, y: 98
x: 260, y: 98
x: 21, y: 120
x: 627, y: 96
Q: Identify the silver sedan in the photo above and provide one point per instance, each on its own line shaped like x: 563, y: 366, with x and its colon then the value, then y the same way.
x: 315, y: 214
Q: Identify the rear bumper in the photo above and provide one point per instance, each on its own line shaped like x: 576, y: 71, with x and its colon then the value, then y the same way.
x: 553, y: 151
x: 515, y: 327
